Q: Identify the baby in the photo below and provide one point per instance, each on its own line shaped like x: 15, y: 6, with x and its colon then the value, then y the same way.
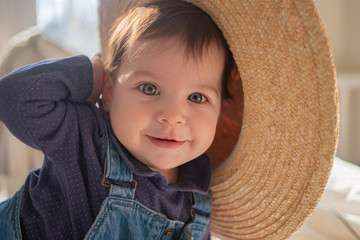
x: 134, y: 167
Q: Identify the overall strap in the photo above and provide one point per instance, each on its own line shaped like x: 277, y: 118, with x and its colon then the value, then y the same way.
x: 118, y: 177
x: 201, y: 208
x: 10, y: 218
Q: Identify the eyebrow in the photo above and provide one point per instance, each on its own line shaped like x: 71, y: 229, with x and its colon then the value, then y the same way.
x: 210, y: 88
x: 130, y: 74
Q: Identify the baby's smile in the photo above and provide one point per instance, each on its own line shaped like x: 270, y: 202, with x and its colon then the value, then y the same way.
x: 166, y: 142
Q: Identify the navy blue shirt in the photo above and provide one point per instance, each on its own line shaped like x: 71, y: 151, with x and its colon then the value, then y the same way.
x: 45, y: 106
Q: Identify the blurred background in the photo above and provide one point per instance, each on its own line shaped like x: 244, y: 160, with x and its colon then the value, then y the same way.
x: 32, y: 30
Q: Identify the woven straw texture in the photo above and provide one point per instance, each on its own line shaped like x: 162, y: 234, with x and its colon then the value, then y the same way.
x: 275, y: 176
x: 278, y: 169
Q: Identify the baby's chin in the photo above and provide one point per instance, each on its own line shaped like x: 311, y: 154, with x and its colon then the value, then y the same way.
x: 163, y: 167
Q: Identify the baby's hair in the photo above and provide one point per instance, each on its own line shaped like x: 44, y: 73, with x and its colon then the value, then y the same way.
x: 162, y: 19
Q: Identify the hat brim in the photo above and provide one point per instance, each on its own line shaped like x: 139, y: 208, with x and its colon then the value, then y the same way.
x: 275, y: 176
x: 278, y: 170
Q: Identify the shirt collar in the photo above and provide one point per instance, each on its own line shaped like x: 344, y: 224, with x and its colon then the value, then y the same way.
x: 194, y: 176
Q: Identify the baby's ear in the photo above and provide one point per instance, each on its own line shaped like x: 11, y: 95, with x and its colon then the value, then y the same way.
x: 107, y: 94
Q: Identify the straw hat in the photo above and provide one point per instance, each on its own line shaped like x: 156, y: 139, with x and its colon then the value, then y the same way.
x: 268, y: 177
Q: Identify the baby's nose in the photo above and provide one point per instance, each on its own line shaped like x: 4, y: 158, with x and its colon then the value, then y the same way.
x: 172, y: 113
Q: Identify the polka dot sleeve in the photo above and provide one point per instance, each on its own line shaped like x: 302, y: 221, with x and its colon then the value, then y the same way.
x: 39, y: 102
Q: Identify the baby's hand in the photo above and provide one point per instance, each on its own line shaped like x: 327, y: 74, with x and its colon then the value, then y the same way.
x: 98, y: 77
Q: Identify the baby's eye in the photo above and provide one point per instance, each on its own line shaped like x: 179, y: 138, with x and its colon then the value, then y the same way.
x: 149, y: 89
x: 197, y: 98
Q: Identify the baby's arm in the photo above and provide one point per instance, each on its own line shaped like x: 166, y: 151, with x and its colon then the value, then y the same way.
x: 40, y: 103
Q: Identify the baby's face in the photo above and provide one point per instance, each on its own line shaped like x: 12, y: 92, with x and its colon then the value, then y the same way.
x: 164, y: 104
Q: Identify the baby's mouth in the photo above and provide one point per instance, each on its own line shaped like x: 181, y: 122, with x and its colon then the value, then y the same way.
x: 165, y: 142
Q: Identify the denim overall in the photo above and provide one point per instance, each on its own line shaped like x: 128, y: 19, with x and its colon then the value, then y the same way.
x: 121, y: 217
x: 10, y: 218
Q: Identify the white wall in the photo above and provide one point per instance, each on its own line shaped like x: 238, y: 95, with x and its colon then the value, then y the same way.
x: 15, y: 16
x: 342, y: 22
